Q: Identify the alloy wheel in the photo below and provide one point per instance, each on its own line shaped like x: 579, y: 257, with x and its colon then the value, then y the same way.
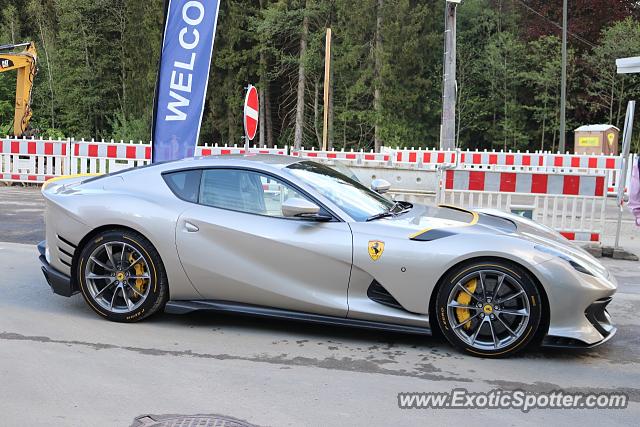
x: 488, y: 309
x: 117, y: 277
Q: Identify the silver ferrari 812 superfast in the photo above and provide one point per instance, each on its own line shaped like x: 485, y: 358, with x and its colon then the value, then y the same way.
x: 285, y: 237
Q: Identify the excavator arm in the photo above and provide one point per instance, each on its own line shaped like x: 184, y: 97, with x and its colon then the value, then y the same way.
x: 25, y: 64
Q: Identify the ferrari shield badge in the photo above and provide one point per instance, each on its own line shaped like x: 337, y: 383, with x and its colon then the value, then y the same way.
x: 376, y: 247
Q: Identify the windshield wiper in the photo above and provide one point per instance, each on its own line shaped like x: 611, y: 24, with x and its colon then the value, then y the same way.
x: 404, y: 207
x: 384, y: 214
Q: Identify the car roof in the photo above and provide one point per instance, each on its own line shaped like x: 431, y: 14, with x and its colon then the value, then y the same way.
x: 273, y: 160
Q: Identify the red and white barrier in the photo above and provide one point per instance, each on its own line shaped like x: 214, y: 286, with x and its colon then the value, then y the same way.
x: 426, y: 158
x: 508, y: 159
x: 23, y: 160
x: 573, y: 204
x: 105, y: 157
x: 215, y: 150
x: 526, y: 183
x: 566, y: 191
x: 518, y: 162
x: 349, y: 157
x: 430, y: 159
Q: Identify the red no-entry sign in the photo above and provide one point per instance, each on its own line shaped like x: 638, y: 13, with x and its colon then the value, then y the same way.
x: 251, y: 112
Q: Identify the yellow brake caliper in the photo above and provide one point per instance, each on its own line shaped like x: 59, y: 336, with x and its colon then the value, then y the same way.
x: 464, y: 298
x: 139, y: 284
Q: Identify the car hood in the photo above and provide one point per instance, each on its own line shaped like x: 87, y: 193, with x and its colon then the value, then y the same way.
x: 429, y: 223
x: 546, y: 237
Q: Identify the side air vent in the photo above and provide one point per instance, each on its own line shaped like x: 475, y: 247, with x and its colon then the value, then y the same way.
x: 65, y: 252
x: 380, y: 295
x: 65, y: 241
x: 66, y: 249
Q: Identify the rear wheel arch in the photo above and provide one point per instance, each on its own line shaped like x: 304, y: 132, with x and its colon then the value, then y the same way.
x: 544, y: 323
x: 92, y: 234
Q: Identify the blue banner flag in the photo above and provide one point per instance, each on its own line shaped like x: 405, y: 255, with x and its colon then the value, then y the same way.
x: 187, y: 46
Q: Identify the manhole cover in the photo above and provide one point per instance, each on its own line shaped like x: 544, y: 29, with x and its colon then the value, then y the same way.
x: 188, y: 421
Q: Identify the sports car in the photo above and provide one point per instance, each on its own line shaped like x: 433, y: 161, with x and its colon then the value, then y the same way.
x: 286, y: 237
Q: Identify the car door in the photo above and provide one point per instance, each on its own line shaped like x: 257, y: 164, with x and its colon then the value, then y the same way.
x: 235, y: 245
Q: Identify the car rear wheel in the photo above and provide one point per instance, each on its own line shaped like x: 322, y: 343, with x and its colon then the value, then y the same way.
x: 489, y: 309
x: 121, y: 276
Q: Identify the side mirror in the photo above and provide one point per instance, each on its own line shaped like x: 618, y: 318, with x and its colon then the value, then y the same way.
x: 380, y: 185
x: 301, y: 208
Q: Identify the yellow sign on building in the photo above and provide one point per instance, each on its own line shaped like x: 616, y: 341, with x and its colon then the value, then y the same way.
x: 588, y: 141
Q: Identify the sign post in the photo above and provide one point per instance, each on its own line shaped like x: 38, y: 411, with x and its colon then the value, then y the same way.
x: 251, y: 113
x: 622, y: 175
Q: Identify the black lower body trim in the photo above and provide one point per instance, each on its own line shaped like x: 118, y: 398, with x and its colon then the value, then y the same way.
x: 59, y: 282
x: 183, y: 307
x: 551, y: 341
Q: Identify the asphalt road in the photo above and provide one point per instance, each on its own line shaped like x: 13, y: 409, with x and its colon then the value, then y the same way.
x: 62, y: 365
x: 21, y: 214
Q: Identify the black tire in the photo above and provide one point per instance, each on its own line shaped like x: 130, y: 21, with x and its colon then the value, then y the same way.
x: 505, y: 331
x: 155, y: 288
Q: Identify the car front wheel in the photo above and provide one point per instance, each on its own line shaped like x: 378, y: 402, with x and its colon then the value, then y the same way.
x: 489, y: 308
x: 121, y: 276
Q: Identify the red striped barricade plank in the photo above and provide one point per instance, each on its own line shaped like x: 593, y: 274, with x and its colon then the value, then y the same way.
x: 525, y: 183
x: 111, y: 150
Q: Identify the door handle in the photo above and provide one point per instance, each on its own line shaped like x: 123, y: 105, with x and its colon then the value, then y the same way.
x: 191, y: 228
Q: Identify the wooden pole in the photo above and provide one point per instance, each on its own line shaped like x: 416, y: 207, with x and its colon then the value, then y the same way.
x: 327, y: 69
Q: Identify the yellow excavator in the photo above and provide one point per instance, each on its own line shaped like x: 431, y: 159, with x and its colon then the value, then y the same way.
x: 25, y: 63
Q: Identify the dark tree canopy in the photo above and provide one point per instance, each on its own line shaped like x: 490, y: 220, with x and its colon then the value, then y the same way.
x: 98, y: 62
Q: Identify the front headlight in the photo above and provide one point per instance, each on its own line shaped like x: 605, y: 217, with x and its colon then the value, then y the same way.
x: 576, y: 265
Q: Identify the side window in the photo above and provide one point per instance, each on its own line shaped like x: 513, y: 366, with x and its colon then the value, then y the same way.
x: 244, y: 191
x: 184, y: 184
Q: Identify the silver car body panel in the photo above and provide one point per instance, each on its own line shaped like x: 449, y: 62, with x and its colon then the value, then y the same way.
x: 322, y: 268
x: 273, y: 262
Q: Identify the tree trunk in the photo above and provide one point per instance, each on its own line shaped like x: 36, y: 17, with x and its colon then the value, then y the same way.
x: 231, y: 128
x: 123, y: 53
x: 613, y: 84
x: 261, y: 114
x: 504, y: 88
x: 617, y: 124
x: 377, y: 105
x: 261, y: 92
x: 267, y: 113
x: 297, y: 138
x: 13, y: 35
x: 544, y: 117
x: 50, y: 77
x: 459, y: 109
x: 344, y: 124
x: 330, y: 112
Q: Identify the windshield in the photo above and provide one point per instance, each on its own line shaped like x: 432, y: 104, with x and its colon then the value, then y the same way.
x: 351, y: 196
x: 343, y: 169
